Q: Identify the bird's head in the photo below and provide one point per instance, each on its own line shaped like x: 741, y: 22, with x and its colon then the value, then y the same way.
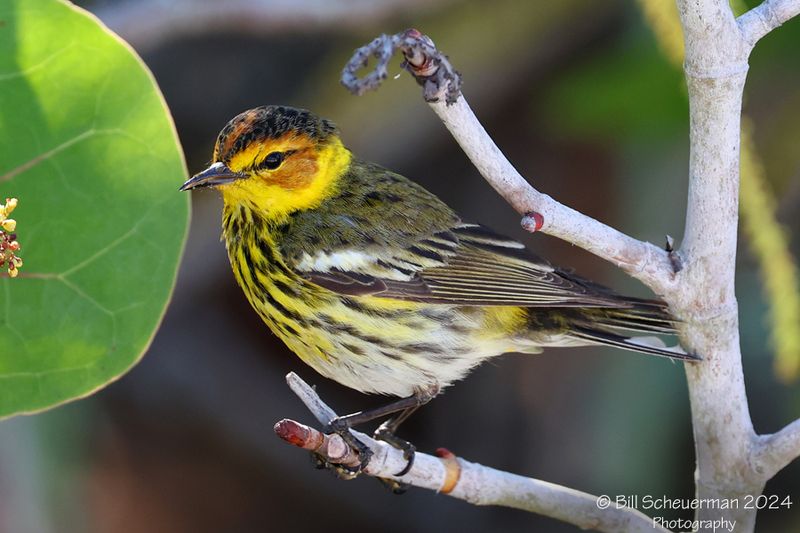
x: 276, y: 160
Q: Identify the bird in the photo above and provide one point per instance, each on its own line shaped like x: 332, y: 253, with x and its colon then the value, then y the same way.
x: 377, y: 284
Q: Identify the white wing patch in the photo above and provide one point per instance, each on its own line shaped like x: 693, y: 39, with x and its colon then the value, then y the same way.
x: 350, y: 261
x: 342, y: 260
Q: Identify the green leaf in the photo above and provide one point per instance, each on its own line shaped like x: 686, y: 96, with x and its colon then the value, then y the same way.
x: 90, y: 151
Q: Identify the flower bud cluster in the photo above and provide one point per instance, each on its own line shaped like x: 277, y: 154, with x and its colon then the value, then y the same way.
x: 9, y: 246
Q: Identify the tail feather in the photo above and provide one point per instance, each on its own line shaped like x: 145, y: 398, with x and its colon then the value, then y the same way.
x: 648, y: 345
x: 602, y: 326
x: 647, y: 316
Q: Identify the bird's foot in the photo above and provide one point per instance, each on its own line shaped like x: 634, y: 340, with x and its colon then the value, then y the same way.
x: 341, y: 427
x: 386, y: 433
x: 402, y: 409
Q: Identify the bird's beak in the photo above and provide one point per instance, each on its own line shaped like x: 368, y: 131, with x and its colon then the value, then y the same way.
x: 216, y: 174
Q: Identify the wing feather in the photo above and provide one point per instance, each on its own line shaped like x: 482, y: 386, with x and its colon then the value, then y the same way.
x: 467, y: 264
x: 386, y: 236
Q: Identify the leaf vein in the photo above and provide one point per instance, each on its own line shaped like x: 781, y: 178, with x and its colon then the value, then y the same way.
x: 38, y: 66
x: 91, y: 132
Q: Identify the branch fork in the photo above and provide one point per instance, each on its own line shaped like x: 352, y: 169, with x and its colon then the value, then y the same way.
x: 697, y: 280
x: 540, y: 212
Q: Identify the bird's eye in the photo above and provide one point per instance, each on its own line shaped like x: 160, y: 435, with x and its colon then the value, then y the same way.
x: 272, y: 161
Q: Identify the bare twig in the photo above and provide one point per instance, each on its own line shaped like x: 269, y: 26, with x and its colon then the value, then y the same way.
x: 472, y: 482
x: 430, y: 67
x: 310, y: 399
x: 641, y: 260
x: 332, y: 448
x: 776, y: 451
x: 765, y: 17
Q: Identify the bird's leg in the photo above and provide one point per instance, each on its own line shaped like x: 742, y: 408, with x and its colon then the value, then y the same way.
x: 385, y: 432
x: 404, y: 407
x: 362, y: 417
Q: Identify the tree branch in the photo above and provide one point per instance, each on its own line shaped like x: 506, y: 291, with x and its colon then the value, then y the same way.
x: 642, y: 260
x: 776, y: 451
x: 472, y: 482
x: 716, y: 68
x: 764, y: 18
x: 732, y: 462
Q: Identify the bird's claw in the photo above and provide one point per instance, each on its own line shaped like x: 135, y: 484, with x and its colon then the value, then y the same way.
x: 342, y: 428
x: 385, y: 434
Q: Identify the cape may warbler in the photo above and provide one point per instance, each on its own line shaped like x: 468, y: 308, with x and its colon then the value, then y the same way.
x: 375, y: 282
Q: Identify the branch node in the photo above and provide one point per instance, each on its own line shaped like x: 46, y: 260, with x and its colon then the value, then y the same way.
x: 452, y: 469
x: 429, y: 66
x: 532, y: 222
x: 675, y: 258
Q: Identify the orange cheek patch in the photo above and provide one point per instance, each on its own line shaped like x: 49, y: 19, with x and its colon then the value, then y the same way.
x: 297, y: 172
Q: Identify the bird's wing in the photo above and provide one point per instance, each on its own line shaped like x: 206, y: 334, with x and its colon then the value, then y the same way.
x: 466, y: 264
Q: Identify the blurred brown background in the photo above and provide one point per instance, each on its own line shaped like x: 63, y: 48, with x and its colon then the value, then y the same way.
x: 580, y: 99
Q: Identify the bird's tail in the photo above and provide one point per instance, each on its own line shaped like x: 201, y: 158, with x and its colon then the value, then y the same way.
x: 608, y: 327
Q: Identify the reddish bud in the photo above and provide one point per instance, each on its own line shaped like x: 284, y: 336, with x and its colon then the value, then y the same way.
x: 532, y: 222
x: 444, y: 453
